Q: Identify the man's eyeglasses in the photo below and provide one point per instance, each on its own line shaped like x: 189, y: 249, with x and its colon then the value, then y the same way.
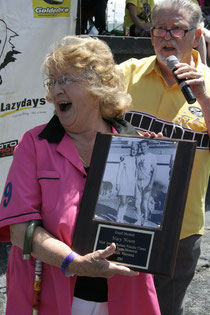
x: 49, y: 83
x: 176, y: 33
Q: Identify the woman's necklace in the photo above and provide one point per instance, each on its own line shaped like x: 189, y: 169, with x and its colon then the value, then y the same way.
x: 85, y: 164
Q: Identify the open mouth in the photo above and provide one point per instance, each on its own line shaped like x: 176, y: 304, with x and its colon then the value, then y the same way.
x: 64, y: 107
x: 166, y: 48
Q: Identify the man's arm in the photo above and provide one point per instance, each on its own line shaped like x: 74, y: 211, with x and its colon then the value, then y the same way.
x: 133, y: 15
x: 195, y: 79
x: 205, y: 105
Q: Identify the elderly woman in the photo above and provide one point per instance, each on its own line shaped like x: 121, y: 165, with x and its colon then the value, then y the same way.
x: 46, y: 182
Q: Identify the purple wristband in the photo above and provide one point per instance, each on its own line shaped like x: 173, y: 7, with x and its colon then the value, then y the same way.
x: 66, y: 262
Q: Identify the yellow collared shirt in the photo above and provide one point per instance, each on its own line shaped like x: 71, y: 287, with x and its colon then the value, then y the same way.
x: 158, y: 106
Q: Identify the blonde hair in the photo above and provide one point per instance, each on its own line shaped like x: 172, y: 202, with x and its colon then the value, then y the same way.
x: 93, y: 61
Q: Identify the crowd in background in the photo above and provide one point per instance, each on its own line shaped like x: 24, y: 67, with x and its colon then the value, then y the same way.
x: 137, y: 20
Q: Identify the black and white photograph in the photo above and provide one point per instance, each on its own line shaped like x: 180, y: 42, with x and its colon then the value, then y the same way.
x: 138, y: 188
x: 135, y: 182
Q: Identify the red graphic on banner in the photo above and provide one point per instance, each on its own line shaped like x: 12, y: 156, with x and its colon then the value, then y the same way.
x: 7, y: 148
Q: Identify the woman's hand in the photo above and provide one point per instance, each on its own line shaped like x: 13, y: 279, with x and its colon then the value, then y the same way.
x: 153, y: 135
x: 52, y: 251
x: 96, y: 265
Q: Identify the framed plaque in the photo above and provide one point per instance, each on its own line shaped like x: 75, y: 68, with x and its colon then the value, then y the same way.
x: 135, y: 196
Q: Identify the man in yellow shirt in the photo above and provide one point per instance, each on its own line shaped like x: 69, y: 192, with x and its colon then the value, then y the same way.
x: 160, y: 106
x: 137, y: 17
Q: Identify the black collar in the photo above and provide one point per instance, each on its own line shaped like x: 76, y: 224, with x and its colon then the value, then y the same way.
x: 54, y: 131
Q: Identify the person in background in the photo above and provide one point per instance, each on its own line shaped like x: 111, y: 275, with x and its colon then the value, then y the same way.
x: 137, y: 17
x: 206, y: 33
x: 94, y: 9
x: 100, y: 16
x: 205, y: 38
x: 205, y: 5
x: 46, y: 182
x: 160, y: 106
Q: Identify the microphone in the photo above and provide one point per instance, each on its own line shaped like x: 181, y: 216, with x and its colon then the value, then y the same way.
x: 186, y: 89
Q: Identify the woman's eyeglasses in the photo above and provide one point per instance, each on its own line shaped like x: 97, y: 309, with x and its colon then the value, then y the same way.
x: 49, y: 83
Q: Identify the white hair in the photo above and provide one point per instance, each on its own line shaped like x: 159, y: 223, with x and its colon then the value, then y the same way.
x: 189, y: 6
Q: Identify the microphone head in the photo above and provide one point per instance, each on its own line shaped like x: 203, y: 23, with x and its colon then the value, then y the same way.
x: 171, y: 62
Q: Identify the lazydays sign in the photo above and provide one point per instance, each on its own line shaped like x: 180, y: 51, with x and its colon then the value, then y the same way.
x: 22, y: 50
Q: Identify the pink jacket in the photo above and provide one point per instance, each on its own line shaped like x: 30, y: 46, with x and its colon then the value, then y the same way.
x: 46, y: 181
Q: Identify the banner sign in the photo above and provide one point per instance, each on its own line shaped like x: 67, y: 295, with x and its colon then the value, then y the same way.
x: 28, y: 29
x: 51, y: 8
